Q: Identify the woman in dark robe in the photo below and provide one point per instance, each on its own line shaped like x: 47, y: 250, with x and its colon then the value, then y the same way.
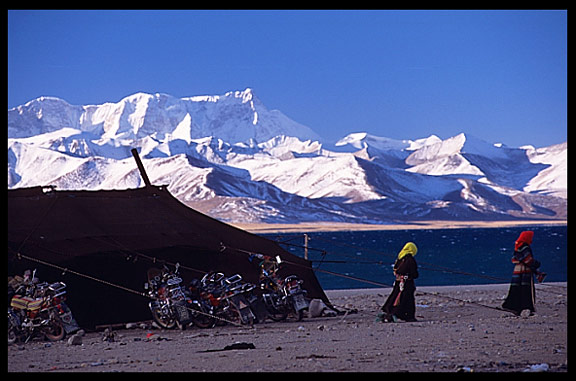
x: 401, y: 303
x: 521, y: 295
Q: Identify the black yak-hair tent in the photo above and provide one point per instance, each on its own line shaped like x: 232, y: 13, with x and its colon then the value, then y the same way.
x: 102, y: 243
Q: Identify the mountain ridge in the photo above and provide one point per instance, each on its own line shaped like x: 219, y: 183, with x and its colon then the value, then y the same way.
x: 234, y: 159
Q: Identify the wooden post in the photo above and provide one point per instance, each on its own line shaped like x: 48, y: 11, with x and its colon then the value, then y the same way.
x: 140, y: 167
x: 305, y: 246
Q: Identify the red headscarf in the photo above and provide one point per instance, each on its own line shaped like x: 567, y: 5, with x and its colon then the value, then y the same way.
x: 524, y: 238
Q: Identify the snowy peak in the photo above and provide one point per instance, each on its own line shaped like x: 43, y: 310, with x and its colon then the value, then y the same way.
x: 237, y: 116
x: 245, y: 96
x: 362, y: 140
x: 45, y: 114
x: 229, y: 156
x: 553, y: 180
x: 526, y: 169
x: 453, y: 156
x: 460, y: 144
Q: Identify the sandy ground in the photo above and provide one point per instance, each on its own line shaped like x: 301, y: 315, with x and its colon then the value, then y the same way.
x: 335, y: 226
x: 456, y: 331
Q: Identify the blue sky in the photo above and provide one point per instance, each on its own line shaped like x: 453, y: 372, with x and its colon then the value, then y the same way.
x: 498, y: 75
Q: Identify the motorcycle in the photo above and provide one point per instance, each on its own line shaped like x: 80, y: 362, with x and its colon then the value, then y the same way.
x: 282, y: 297
x: 170, y: 306
x: 295, y: 295
x: 203, y: 305
x: 228, y: 299
x: 39, y: 309
x: 244, y: 303
x: 210, y: 296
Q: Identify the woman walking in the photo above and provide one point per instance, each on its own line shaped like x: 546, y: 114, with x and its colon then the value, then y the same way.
x: 401, y: 303
x: 521, y: 295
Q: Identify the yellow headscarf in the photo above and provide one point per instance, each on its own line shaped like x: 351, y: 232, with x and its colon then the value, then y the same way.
x: 409, y: 248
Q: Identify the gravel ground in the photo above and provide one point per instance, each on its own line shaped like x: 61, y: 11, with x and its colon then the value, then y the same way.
x: 456, y: 331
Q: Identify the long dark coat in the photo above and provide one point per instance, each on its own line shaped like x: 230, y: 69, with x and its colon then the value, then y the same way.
x: 522, y: 295
x: 401, y: 302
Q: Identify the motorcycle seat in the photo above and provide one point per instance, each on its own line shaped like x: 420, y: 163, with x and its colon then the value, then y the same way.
x: 26, y: 302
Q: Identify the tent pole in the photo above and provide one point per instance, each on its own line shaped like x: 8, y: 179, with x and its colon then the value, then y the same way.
x: 140, y: 167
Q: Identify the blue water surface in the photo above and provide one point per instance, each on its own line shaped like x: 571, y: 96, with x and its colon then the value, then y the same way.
x: 445, y: 256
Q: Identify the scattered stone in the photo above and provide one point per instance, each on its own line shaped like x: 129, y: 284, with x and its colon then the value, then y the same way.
x: 316, y: 308
x: 538, y: 368
x: 109, y: 335
x: 155, y: 325
x: 75, y: 340
x: 331, y: 313
x: 526, y: 313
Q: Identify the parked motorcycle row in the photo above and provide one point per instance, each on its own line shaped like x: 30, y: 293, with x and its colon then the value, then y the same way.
x: 218, y: 300
x: 37, y: 309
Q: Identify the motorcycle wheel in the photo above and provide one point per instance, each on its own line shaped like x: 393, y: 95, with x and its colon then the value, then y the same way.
x: 299, y: 315
x: 278, y: 316
x: 169, y: 323
x: 55, y: 330
x: 201, y: 319
x: 241, y: 311
x: 245, y: 316
x: 13, y: 334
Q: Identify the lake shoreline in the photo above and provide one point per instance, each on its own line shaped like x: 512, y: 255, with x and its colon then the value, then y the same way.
x: 263, y: 228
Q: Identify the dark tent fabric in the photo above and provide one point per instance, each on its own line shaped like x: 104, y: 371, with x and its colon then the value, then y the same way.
x: 116, y: 236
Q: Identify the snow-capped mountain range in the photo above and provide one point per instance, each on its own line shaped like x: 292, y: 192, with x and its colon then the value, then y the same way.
x: 232, y: 158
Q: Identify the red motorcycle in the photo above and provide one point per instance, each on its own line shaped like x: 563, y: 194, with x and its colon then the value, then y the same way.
x: 225, y: 299
x: 170, y: 306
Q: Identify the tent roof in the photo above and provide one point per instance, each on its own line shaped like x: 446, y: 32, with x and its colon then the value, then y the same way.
x: 74, y: 223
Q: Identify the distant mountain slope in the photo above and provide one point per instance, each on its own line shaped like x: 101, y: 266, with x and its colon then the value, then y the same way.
x: 234, y: 159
